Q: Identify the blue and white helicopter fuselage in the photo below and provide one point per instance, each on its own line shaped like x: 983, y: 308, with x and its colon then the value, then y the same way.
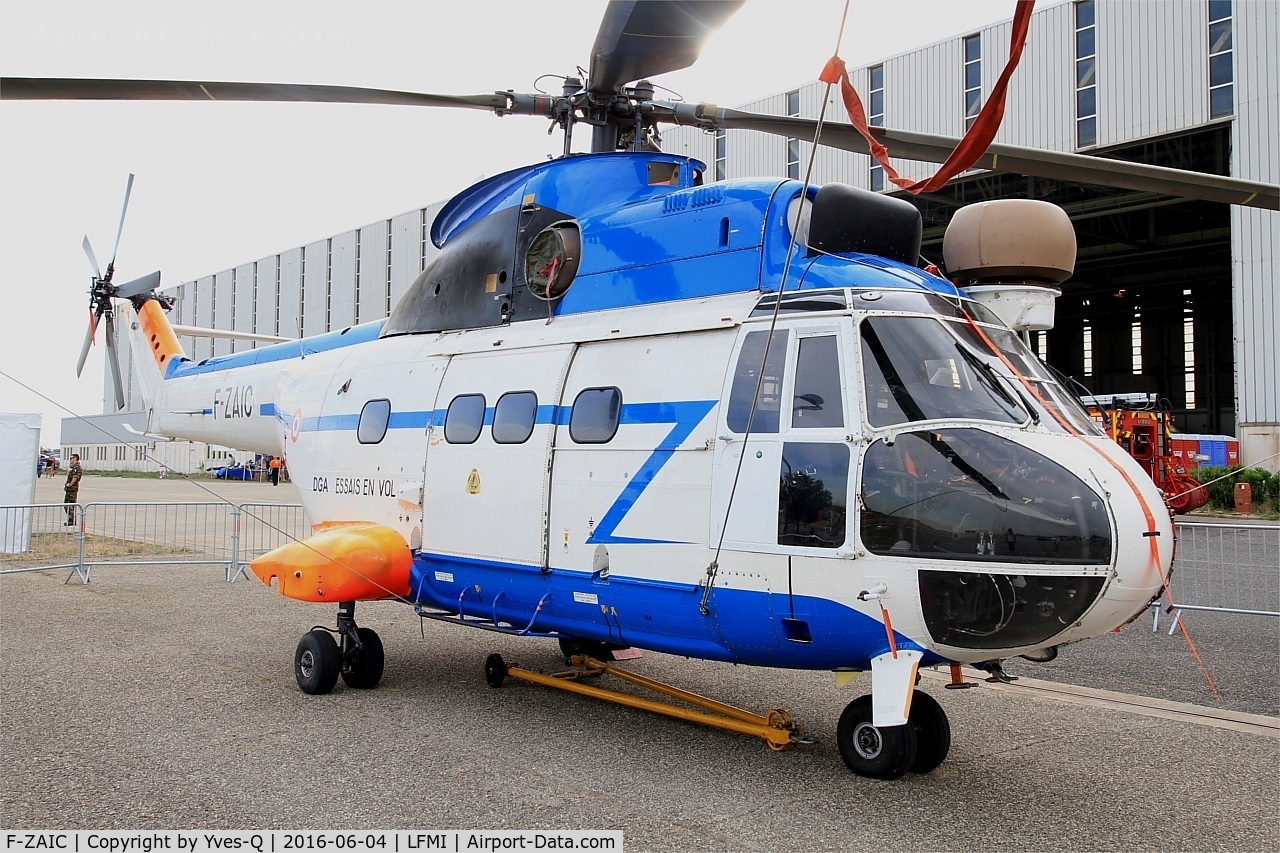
x: 615, y: 421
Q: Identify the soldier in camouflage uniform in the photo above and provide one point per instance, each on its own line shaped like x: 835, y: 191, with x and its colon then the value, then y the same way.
x: 71, y: 490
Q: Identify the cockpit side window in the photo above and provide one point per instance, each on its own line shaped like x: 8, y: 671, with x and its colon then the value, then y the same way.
x: 813, y: 494
x: 817, y: 399
x: 747, y: 377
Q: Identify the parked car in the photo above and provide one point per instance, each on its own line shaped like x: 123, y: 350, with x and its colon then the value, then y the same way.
x: 233, y: 472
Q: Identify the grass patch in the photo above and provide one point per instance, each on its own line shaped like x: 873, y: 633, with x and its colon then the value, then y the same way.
x: 62, y: 548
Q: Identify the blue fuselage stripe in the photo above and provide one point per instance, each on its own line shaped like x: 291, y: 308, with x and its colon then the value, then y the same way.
x: 742, y: 626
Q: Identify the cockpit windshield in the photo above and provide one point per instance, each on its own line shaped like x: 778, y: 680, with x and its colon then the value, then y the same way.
x: 917, y: 370
x: 924, y: 368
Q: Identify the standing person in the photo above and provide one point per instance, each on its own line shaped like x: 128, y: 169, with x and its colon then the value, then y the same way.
x: 275, y: 470
x: 71, y: 491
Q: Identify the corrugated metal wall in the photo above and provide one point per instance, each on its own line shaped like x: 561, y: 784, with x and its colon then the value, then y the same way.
x: 315, y: 288
x: 342, y: 281
x: 242, y: 316
x: 1255, y: 234
x: 373, y: 272
x: 290, y: 293
x: 264, y: 317
x: 1152, y: 80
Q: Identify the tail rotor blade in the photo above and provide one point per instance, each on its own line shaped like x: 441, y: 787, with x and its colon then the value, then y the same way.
x: 93, y: 261
x: 113, y: 361
x: 88, y: 341
x: 139, y: 285
x: 128, y: 188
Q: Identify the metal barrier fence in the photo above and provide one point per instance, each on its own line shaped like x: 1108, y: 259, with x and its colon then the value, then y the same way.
x: 37, y: 537
x: 1232, y: 568
x: 1229, y: 568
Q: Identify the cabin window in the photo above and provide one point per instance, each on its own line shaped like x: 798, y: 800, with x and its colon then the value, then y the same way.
x: 813, y: 495
x: 817, y: 400
x: 465, y: 419
x: 374, y: 418
x: 513, y: 417
x: 747, y: 378
x: 595, y: 416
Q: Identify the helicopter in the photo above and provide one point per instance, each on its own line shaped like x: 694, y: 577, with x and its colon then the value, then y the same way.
x: 629, y: 408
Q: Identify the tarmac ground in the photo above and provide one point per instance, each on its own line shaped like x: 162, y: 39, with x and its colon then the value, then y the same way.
x: 163, y: 697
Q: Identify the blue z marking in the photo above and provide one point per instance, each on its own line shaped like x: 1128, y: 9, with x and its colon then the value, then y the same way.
x: 686, y: 417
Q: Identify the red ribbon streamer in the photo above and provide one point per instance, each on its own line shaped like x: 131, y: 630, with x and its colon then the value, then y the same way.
x: 975, y: 141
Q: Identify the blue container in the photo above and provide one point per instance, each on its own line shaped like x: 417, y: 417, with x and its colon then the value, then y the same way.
x: 1219, y: 453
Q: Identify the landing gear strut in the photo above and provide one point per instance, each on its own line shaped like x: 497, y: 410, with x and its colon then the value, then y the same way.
x: 356, y: 654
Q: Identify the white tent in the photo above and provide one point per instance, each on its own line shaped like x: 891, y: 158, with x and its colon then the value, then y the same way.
x: 19, y: 450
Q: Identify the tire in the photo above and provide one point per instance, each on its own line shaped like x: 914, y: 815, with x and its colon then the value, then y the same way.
x: 495, y: 670
x: 317, y: 662
x: 366, y: 664
x: 878, y: 753
x: 933, y: 732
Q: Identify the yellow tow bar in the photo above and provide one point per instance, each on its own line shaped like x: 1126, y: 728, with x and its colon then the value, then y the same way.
x: 776, y: 728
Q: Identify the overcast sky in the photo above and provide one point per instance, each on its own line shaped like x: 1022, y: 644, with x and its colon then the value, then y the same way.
x: 223, y: 184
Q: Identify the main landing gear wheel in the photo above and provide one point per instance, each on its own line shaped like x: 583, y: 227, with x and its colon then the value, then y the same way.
x: 317, y: 662
x: 364, y: 662
x: 879, y: 753
x: 933, y: 732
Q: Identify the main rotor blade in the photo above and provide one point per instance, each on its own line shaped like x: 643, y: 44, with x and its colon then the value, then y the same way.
x: 1060, y: 165
x: 88, y: 340
x: 93, y: 261
x: 143, y: 284
x: 128, y: 188
x: 640, y: 39
x: 68, y: 89
x: 113, y: 361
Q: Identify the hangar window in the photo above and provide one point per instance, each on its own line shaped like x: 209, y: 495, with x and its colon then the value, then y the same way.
x: 595, y: 416
x: 1086, y: 75
x: 514, y: 416
x: 972, y: 79
x: 720, y: 155
x: 875, y: 117
x: 374, y: 418
x: 465, y: 419
x: 793, y: 145
x: 1221, y: 76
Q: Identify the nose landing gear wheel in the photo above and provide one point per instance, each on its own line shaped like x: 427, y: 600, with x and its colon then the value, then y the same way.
x: 879, y: 753
x: 933, y: 732
x: 317, y: 662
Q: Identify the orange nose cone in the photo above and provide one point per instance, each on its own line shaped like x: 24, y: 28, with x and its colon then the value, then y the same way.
x: 360, y: 562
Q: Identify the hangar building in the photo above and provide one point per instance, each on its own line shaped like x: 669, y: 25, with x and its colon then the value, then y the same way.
x: 1170, y: 296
